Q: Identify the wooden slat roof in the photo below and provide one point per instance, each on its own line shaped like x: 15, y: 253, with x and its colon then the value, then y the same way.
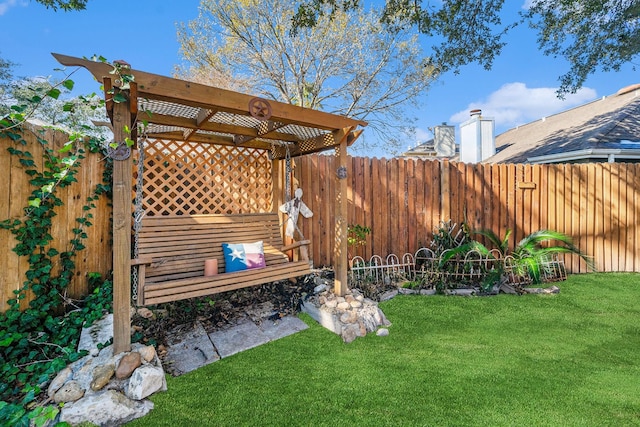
x: 187, y: 111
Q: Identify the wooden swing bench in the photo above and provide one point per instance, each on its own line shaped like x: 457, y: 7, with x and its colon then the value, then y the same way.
x: 172, y: 251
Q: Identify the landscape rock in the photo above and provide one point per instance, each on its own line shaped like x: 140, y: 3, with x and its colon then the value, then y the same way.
x: 145, y: 381
x: 98, y: 333
x: 60, y: 379
x: 388, y: 295
x: 69, y: 392
x: 145, y: 312
x: 320, y: 288
x: 101, y: 376
x: 344, y: 305
x: 351, y: 316
x: 349, y: 333
x: 148, y: 353
x: 128, y: 363
x: 108, y: 408
x: 382, y: 332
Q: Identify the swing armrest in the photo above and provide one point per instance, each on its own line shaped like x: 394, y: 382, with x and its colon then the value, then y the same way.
x: 295, y: 245
x: 141, y: 261
x: 302, y: 245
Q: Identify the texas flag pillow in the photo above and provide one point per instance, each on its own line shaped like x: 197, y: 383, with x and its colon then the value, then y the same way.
x: 243, y: 256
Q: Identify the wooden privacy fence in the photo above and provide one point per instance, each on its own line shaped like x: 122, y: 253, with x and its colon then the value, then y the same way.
x: 403, y: 200
x: 96, y: 257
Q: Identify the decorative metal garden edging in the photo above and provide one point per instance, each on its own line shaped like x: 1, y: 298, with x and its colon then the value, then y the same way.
x: 469, y: 269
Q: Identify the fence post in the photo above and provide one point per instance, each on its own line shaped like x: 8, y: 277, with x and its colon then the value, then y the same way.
x: 445, y: 187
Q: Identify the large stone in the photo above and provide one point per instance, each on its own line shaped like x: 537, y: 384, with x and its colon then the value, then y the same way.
x: 344, y: 305
x: 238, y: 338
x: 145, y: 381
x: 350, y: 333
x: 99, y: 333
x: 388, y: 295
x: 190, y: 350
x: 349, y: 317
x: 101, y: 376
x: 69, y: 392
x: 108, y: 408
x: 60, y: 379
x: 148, y: 353
x: 128, y: 363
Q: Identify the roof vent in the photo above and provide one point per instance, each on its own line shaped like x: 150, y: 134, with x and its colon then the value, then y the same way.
x: 476, y: 112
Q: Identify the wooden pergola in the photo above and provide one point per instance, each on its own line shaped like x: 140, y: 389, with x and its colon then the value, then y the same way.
x: 187, y: 111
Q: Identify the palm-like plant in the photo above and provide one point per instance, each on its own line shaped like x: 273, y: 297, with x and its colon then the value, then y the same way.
x: 529, y: 256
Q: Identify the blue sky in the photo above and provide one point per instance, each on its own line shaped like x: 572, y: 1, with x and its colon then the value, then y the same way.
x: 518, y: 89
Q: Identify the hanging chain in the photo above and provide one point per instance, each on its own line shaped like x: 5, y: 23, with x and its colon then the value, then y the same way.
x: 138, y: 214
x: 287, y: 177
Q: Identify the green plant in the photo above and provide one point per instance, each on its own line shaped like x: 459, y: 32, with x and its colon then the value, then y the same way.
x: 525, y: 261
x: 39, y: 339
x: 356, y: 236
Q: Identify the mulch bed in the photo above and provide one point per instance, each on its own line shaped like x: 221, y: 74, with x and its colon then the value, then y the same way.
x: 220, y: 310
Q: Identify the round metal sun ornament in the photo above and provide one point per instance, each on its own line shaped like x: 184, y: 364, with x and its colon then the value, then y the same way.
x: 121, y: 152
x: 260, y: 109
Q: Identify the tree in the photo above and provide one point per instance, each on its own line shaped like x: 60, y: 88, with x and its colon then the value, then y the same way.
x: 462, y: 31
x: 346, y: 65
x: 589, y: 34
x: 64, y: 5
x: 39, y: 98
x: 6, y: 74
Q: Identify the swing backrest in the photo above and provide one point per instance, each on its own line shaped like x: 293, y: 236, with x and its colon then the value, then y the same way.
x: 179, y: 245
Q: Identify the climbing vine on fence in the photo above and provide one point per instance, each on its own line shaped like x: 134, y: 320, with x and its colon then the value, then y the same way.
x: 38, y: 340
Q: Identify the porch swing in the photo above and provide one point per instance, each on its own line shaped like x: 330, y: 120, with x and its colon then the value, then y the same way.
x: 179, y: 110
x: 172, y: 253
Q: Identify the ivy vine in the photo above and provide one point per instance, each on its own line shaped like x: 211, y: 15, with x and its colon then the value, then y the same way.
x: 40, y: 339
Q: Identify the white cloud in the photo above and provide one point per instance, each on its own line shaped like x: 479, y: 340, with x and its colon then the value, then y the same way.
x: 8, y: 4
x: 516, y: 104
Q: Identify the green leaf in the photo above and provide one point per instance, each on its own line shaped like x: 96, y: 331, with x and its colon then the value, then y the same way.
x: 54, y: 93
x: 68, y: 84
x: 35, y: 202
x: 68, y: 107
x: 119, y: 98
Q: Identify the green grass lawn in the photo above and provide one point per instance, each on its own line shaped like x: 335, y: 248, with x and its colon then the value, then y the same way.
x: 571, y: 359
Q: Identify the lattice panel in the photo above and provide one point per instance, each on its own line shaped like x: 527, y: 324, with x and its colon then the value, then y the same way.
x: 185, y: 178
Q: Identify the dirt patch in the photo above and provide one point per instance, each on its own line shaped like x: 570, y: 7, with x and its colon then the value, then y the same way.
x: 269, y: 301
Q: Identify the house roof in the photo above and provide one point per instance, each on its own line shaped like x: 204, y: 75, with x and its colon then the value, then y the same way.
x: 177, y: 109
x: 611, y: 123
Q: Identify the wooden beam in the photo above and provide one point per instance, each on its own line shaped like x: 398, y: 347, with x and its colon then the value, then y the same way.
x: 158, y: 87
x: 184, y: 122
x: 122, y: 188
x: 318, y: 143
x: 202, y: 117
x: 341, y: 211
x: 210, y: 139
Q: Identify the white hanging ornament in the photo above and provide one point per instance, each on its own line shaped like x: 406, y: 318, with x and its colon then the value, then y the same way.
x: 293, y: 209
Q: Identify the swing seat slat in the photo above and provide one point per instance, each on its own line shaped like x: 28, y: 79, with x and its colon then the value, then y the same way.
x: 172, y: 253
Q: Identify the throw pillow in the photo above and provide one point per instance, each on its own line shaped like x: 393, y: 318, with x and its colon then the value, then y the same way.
x: 243, y: 256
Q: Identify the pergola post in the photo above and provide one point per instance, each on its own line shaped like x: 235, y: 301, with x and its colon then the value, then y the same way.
x: 122, y: 187
x: 340, y: 212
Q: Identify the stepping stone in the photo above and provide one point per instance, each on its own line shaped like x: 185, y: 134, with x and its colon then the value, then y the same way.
x: 190, y: 350
x: 238, y: 338
x: 283, y: 327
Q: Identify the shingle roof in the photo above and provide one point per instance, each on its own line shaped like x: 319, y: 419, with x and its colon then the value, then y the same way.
x: 609, y: 122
